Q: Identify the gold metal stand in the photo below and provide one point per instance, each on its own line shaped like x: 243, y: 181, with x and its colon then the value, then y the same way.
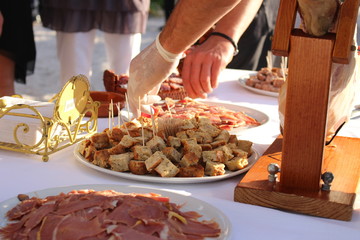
x: 66, y: 126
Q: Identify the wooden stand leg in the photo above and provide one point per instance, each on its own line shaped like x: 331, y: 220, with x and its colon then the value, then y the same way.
x: 306, y: 111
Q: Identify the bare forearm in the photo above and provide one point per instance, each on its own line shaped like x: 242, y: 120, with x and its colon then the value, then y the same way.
x: 190, y: 20
x: 238, y: 19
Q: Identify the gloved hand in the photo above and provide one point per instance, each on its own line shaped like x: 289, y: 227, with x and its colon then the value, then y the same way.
x: 147, y: 71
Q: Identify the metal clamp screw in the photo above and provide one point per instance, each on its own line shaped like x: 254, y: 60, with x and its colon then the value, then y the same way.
x: 273, y: 169
x: 327, y: 178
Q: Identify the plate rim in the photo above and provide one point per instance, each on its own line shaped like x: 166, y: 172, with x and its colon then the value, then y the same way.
x: 189, y: 202
x: 173, y: 180
x: 242, y: 80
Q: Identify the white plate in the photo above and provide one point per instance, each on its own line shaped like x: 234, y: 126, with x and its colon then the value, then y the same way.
x: 157, y: 179
x: 208, y: 211
x: 242, y: 82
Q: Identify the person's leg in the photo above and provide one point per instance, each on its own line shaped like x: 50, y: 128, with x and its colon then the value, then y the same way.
x: 121, y: 49
x: 7, y: 72
x: 75, y: 51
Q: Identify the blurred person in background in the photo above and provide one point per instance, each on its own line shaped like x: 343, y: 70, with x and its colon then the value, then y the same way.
x: 76, y: 23
x: 17, y: 44
x: 255, y: 42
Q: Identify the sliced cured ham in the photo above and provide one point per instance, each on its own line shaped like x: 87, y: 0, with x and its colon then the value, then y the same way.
x: 89, y: 214
x: 218, y: 115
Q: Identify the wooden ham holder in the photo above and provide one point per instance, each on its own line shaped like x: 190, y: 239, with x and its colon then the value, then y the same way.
x: 301, y: 152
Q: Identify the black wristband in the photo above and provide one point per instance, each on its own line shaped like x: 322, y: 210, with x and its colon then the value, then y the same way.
x: 227, y: 38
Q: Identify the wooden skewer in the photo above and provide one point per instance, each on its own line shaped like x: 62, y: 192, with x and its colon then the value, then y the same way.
x: 269, y: 60
x: 153, y: 122
x: 283, y: 66
x: 142, y: 125
x: 109, y: 118
x: 112, y: 113
x: 127, y: 106
x: 167, y: 105
x: 118, y: 110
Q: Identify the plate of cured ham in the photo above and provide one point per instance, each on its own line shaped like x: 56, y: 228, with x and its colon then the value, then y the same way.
x: 232, y: 117
x: 106, y: 211
x: 264, y: 82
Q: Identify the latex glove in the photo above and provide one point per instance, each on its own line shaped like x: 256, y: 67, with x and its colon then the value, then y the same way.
x: 147, y: 71
x: 203, y: 64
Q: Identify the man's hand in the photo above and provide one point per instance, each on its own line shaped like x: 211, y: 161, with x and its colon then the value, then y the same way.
x: 147, y: 71
x: 203, y: 65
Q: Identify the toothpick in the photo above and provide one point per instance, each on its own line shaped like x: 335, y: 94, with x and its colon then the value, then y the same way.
x: 109, y: 118
x: 142, y: 125
x: 127, y: 106
x: 152, y: 121
x: 269, y: 60
x: 167, y: 105
x: 118, y: 110
x: 112, y: 113
x: 283, y: 65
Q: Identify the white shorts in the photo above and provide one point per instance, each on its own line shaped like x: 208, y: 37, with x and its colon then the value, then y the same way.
x: 75, y: 52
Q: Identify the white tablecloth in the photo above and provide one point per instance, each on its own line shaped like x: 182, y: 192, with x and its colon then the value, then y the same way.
x: 21, y: 173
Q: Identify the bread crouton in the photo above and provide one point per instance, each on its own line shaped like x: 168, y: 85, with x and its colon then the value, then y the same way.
x: 137, y: 167
x: 187, y: 124
x: 195, y: 148
x: 100, y: 140
x: 237, y: 163
x: 189, y: 159
x: 128, y: 141
x: 214, y: 169
x: 217, y: 144
x: 213, y: 156
x: 154, y: 160
x: 116, y: 134
x: 224, y: 135
x: 188, y: 141
x: 206, y: 147
x: 101, y: 158
x: 173, y: 142
x: 201, y: 137
x: 245, y: 145
x: 203, y: 120
x: 191, y: 171
x: 228, y: 153
x: 209, y: 128
x: 142, y: 152
x: 156, y: 144
x: 120, y: 162
x: 232, y: 139
x: 117, y: 149
x: 181, y: 135
x: 148, y: 133
x: 167, y: 169
x: 239, y: 153
x: 89, y: 152
x: 172, y: 154
x: 83, y: 145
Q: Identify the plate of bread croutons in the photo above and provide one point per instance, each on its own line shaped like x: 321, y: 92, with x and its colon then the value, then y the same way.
x: 168, y: 151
